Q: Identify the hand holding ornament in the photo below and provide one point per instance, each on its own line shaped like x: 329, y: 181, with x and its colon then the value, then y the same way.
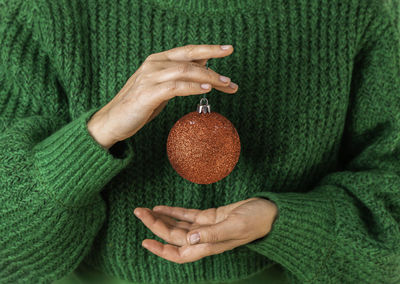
x: 179, y: 71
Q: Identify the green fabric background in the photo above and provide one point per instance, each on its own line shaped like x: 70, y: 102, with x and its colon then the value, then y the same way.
x: 84, y: 274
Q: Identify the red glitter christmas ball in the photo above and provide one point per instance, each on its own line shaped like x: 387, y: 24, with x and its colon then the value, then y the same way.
x: 203, y: 147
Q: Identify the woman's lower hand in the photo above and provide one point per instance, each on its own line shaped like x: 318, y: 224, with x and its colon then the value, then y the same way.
x: 219, y: 229
x: 179, y: 71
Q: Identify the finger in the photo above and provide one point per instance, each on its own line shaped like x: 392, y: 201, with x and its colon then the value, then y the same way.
x: 171, y: 222
x: 179, y: 213
x: 231, y: 88
x: 232, y: 228
x: 159, y: 65
x: 171, y: 235
x: 189, y: 253
x: 192, y: 52
x: 202, y: 217
x: 190, y: 72
x: 168, y: 90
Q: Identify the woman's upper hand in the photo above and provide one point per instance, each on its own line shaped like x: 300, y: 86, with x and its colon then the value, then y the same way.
x: 219, y: 229
x: 176, y: 72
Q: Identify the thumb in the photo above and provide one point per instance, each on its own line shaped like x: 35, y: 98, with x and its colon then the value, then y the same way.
x: 222, y: 231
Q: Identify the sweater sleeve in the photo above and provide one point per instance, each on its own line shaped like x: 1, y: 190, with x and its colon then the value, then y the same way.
x: 346, y: 229
x: 52, y: 170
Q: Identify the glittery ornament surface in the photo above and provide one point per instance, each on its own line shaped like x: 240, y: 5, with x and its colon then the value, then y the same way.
x: 203, y: 147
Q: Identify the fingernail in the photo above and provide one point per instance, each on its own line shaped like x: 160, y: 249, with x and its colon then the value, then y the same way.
x: 224, y: 47
x: 137, y: 213
x: 194, y: 238
x: 224, y: 79
x: 232, y: 85
x: 205, y: 86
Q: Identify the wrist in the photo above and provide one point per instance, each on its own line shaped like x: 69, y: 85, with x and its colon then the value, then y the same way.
x: 271, y: 210
x: 96, y: 128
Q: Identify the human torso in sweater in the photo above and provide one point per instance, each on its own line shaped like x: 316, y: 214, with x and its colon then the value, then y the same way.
x: 293, y: 63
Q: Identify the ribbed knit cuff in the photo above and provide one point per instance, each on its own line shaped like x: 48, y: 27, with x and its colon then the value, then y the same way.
x: 72, y: 167
x: 302, y: 236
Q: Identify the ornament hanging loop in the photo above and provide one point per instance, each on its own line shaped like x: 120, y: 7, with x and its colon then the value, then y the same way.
x: 203, y: 106
x: 204, y: 95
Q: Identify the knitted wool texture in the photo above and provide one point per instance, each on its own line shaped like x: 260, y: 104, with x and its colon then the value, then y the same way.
x: 317, y: 112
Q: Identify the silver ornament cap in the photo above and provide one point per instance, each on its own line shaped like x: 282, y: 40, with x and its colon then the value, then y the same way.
x: 203, y: 106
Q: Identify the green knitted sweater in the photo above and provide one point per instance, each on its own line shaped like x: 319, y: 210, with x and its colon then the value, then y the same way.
x: 317, y: 111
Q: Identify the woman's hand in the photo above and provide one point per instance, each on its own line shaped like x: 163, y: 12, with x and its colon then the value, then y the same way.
x: 219, y: 229
x: 179, y: 71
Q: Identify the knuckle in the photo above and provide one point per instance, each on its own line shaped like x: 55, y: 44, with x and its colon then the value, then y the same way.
x: 192, y: 85
x: 139, y: 84
x: 172, y: 86
x: 145, y: 65
x: 190, y: 49
x: 213, y: 237
x: 185, y: 214
x: 201, y: 217
x: 139, y: 79
x: 149, y: 57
